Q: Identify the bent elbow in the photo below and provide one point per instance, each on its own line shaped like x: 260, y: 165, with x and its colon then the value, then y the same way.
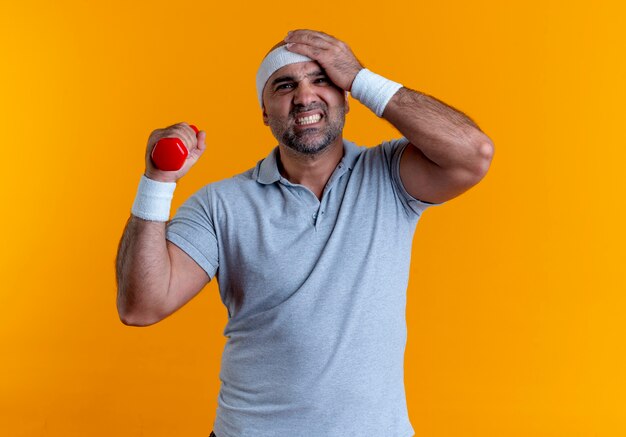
x: 135, y: 317
x: 484, y: 155
x: 138, y: 320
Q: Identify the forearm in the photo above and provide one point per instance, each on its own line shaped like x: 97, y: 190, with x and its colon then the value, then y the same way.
x: 142, y: 272
x: 445, y: 135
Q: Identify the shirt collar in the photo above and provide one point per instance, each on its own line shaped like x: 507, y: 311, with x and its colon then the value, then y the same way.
x: 266, y: 171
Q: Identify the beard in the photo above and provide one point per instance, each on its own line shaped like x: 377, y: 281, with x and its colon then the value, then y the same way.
x: 309, y: 141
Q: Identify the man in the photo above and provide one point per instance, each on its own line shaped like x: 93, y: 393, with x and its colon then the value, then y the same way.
x: 311, y: 247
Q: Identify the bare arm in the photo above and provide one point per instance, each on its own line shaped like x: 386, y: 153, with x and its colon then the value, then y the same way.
x: 448, y: 153
x: 154, y: 276
x: 142, y: 271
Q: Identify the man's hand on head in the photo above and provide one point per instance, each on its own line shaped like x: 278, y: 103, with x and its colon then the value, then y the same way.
x: 334, y: 56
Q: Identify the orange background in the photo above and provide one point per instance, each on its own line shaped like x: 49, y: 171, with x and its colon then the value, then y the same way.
x: 516, y: 300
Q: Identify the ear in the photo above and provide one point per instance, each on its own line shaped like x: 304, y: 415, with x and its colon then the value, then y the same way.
x: 265, y: 122
x: 347, y: 101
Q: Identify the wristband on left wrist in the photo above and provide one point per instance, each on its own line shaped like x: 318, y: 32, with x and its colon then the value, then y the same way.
x: 373, y: 90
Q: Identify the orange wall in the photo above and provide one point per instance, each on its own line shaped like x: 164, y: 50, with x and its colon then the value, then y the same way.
x: 516, y: 299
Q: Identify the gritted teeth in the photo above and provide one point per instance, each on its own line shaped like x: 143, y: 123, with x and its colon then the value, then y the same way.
x: 309, y: 119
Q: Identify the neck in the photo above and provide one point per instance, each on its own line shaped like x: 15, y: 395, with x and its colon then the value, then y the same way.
x: 312, y: 171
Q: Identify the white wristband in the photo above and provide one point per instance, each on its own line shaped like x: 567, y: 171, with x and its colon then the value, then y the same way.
x: 153, y: 200
x: 373, y: 90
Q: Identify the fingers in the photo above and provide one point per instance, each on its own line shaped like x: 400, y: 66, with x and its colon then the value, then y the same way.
x: 182, y: 131
x: 201, y: 139
x: 317, y: 45
x: 335, y: 57
x: 201, y: 147
x: 310, y: 37
x: 308, y: 42
x: 194, y: 143
x: 188, y: 136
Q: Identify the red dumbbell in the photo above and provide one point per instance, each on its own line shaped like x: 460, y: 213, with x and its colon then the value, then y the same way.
x: 169, y: 154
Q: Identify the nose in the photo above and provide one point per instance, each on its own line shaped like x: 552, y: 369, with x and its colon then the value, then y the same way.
x: 304, y: 94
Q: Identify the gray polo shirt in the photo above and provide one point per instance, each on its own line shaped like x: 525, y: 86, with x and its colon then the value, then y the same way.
x: 315, y: 292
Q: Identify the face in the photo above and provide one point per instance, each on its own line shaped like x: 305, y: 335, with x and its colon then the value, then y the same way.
x: 303, y: 108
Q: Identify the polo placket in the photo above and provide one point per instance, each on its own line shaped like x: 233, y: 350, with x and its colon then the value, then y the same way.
x: 317, y: 211
x: 306, y: 196
x: 312, y: 203
x: 319, y: 215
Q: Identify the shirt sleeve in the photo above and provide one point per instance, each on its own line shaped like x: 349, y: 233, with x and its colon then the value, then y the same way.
x: 192, y: 229
x: 393, y: 151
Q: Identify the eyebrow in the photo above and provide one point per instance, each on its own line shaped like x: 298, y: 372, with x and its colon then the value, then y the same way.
x: 289, y: 78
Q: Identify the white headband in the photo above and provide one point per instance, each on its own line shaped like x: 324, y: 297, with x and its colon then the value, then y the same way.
x: 276, y: 59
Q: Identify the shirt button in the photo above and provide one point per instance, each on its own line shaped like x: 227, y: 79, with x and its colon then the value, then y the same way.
x: 315, y: 215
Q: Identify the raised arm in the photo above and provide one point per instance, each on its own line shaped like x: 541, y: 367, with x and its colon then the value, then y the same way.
x: 155, y: 277
x: 447, y: 153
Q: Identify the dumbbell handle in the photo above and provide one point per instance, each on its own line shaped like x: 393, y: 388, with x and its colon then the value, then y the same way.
x: 169, y: 154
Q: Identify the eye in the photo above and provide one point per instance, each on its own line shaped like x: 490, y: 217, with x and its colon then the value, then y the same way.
x: 322, y: 80
x: 284, y: 86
